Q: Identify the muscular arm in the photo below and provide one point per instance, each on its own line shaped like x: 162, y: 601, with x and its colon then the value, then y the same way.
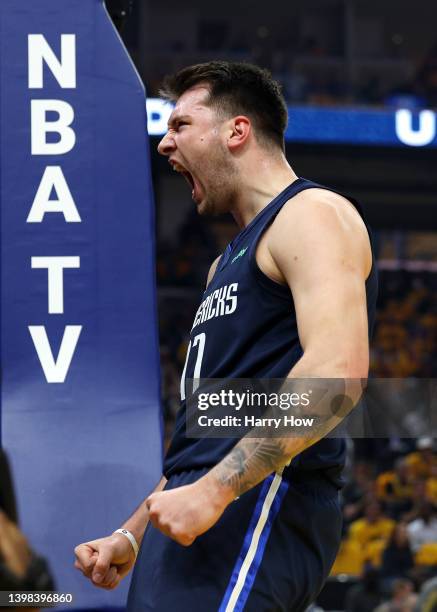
x: 325, y: 266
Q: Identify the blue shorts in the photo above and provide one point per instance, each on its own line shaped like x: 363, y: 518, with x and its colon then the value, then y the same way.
x: 271, y: 551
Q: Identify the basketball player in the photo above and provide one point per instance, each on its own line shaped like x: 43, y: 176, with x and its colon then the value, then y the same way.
x: 252, y: 524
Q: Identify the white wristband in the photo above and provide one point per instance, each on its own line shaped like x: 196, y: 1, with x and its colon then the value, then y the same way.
x: 131, y: 539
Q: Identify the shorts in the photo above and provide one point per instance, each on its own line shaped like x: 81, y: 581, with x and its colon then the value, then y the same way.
x: 271, y: 551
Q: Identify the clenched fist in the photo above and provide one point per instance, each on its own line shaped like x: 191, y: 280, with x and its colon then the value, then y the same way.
x: 105, y: 561
x: 188, y: 511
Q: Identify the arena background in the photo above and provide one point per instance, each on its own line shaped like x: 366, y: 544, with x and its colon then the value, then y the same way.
x: 355, y: 63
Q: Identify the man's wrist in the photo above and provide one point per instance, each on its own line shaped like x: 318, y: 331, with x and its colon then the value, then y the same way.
x: 137, y: 532
x: 217, y: 492
x: 129, y: 536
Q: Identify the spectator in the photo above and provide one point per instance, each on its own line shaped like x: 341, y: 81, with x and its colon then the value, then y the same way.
x: 357, y: 490
x: 397, y: 558
x: 20, y: 568
x: 373, y: 526
x: 424, y: 528
x: 395, y: 488
x: 417, y: 498
x: 403, y: 598
x: 7, y: 496
x: 364, y: 596
x: 421, y: 462
x: 431, y: 486
x: 427, y: 597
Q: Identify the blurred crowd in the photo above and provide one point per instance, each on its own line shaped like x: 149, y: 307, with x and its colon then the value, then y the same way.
x: 405, y: 339
x: 314, y: 83
x: 312, y: 72
x: 390, y: 523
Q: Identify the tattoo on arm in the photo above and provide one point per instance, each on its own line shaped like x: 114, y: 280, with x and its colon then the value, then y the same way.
x: 253, y: 459
x: 250, y: 461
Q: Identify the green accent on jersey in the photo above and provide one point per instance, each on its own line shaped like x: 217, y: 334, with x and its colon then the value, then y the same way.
x: 240, y: 254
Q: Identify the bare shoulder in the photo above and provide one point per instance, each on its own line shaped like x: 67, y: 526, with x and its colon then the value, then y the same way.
x: 212, y: 269
x: 322, y: 207
x: 317, y: 222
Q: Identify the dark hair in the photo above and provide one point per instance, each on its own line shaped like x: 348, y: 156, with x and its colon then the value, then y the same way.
x: 236, y: 88
x: 7, y: 496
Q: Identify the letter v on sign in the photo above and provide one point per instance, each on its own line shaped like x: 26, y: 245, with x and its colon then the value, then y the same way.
x: 55, y: 371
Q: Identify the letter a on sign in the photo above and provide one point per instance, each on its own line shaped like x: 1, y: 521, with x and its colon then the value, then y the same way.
x: 53, y: 178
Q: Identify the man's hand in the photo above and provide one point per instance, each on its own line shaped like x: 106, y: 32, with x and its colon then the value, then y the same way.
x: 108, y: 560
x: 185, y: 513
x: 105, y: 561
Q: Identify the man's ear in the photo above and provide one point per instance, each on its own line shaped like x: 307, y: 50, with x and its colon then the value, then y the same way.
x: 239, y: 131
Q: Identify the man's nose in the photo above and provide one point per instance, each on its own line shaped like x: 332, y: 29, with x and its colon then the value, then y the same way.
x: 167, y: 145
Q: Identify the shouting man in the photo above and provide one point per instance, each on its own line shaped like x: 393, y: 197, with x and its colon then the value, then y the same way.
x: 252, y: 524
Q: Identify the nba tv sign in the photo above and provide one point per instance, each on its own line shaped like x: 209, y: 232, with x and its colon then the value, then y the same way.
x: 53, y: 181
x: 79, y: 346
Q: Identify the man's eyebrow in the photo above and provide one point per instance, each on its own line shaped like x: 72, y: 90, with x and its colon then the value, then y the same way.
x: 176, y: 118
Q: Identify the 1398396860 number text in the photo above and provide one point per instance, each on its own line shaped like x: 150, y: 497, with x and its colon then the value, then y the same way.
x: 34, y: 598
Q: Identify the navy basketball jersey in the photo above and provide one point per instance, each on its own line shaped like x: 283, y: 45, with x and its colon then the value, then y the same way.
x: 245, y: 327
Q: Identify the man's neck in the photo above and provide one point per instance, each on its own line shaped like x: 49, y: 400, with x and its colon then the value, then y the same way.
x: 261, y: 179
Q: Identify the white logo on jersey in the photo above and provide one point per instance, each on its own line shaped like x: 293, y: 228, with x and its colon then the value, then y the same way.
x: 220, y: 302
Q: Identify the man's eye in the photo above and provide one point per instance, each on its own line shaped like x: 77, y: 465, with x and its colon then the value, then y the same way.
x: 178, y: 124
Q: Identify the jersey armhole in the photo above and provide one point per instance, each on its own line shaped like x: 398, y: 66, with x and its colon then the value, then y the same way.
x: 217, y: 262
x: 267, y: 283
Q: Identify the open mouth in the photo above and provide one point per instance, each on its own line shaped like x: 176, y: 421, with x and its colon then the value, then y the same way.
x: 189, y: 178
x: 177, y: 167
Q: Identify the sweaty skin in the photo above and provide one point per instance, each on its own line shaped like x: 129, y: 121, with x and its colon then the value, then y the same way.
x: 318, y: 246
